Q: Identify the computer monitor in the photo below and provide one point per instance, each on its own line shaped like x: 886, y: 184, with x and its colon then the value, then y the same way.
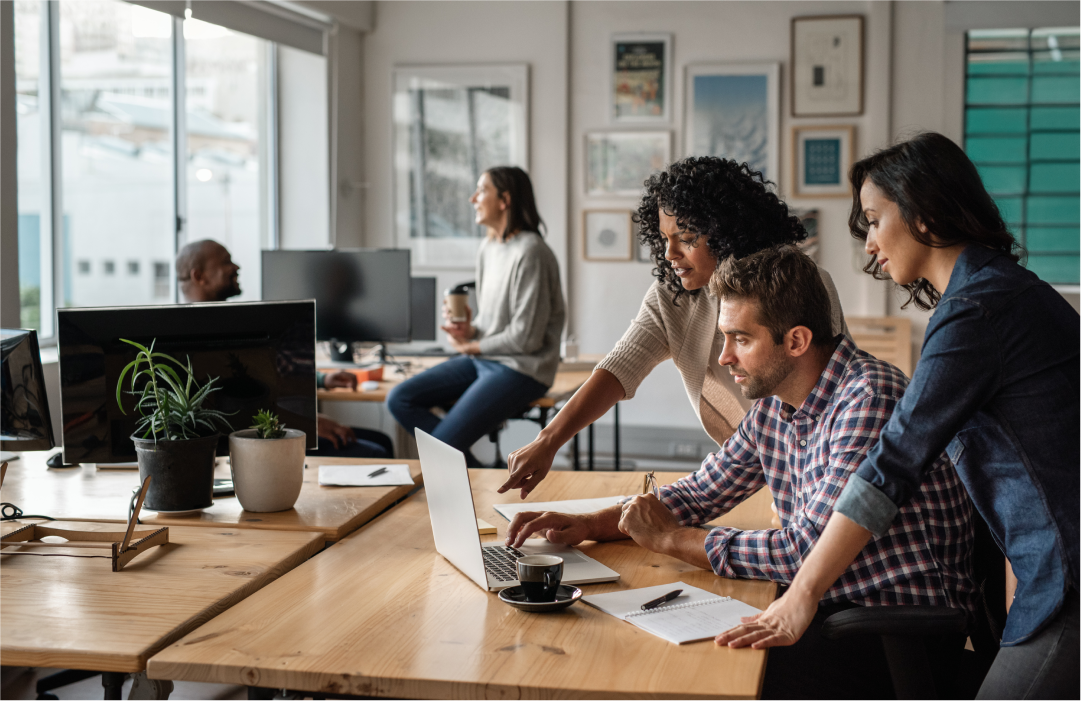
x: 360, y: 295
x: 424, y: 302
x: 25, y: 423
x: 262, y: 353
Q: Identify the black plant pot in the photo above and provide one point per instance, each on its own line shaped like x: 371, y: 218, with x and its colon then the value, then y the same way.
x: 182, y: 472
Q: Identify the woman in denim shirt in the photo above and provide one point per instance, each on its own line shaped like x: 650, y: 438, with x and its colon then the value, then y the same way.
x: 996, y: 387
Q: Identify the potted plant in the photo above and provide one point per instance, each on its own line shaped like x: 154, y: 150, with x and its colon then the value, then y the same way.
x: 176, y: 435
x: 267, y: 461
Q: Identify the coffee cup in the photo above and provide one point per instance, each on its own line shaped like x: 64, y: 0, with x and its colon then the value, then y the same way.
x: 458, y: 304
x: 540, y: 576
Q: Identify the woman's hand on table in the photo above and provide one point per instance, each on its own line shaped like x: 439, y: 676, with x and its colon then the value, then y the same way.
x: 783, y: 623
x: 342, y: 378
x: 528, y: 466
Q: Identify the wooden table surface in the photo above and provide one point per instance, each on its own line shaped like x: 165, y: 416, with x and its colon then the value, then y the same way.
x: 382, y: 614
x: 77, y: 613
x: 567, y: 381
x: 91, y: 494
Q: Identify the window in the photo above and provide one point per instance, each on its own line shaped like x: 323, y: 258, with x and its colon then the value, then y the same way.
x: 122, y: 154
x: 1022, y: 119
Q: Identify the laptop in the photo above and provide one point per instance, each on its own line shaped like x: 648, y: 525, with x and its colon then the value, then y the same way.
x: 454, y: 526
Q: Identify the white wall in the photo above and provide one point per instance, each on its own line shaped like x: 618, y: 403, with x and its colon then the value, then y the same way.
x: 414, y: 33
x: 303, y: 150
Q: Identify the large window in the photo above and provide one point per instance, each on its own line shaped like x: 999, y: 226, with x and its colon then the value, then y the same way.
x: 1022, y: 121
x: 140, y: 131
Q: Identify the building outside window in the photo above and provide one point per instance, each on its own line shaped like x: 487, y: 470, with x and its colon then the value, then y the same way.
x: 1022, y: 122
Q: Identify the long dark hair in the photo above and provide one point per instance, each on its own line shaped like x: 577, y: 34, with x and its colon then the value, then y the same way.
x: 933, y: 183
x: 722, y: 201
x: 522, y: 212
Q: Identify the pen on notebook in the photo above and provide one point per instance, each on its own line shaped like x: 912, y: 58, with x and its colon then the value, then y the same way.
x: 662, y: 600
x: 378, y: 472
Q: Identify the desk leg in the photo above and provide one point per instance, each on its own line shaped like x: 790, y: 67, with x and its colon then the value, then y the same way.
x: 257, y: 693
x: 114, y: 684
x: 575, y: 458
x: 617, y: 437
x: 591, y: 447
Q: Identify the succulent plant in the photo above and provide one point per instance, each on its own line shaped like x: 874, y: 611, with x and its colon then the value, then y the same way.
x: 267, y: 425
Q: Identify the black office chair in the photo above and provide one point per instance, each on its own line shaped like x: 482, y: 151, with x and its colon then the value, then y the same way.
x: 920, y: 641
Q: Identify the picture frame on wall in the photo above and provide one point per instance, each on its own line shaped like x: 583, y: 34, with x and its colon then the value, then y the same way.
x: 733, y: 111
x: 827, y: 66
x: 619, y: 162
x: 451, y: 123
x: 641, y: 77
x: 606, y: 235
x: 822, y: 156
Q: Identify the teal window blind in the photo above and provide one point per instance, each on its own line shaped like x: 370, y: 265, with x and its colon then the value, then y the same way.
x: 1022, y: 121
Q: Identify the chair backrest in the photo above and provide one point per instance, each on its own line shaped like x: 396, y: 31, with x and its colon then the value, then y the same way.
x: 887, y: 338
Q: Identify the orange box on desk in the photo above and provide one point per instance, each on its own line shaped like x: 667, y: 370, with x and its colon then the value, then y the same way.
x: 363, y: 375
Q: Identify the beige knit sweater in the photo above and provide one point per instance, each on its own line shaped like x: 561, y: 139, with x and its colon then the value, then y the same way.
x: 688, y: 334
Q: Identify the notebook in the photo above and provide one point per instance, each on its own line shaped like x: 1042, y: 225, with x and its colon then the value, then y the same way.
x: 569, y: 506
x: 396, y: 474
x: 696, y: 614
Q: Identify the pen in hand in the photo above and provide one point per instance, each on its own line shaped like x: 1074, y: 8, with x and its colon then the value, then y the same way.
x: 378, y: 472
x: 662, y: 600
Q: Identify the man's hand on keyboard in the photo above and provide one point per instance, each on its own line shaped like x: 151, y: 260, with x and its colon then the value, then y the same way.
x: 557, y: 528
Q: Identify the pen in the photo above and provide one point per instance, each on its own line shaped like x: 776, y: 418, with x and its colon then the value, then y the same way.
x: 377, y: 472
x: 662, y: 600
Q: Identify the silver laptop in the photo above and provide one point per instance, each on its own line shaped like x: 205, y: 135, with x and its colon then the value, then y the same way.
x: 454, y: 525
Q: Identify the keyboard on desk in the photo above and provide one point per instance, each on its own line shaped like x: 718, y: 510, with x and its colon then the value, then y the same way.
x: 501, y: 562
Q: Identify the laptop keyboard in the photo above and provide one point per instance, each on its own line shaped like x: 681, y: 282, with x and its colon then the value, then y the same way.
x: 501, y: 562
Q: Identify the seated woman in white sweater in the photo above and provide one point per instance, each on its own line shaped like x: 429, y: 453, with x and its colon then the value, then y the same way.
x: 695, y: 213
x: 511, y: 352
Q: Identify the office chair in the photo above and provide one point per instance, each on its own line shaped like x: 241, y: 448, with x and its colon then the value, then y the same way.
x: 914, y: 637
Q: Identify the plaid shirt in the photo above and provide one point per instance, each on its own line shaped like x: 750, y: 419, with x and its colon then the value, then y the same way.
x: 806, y: 456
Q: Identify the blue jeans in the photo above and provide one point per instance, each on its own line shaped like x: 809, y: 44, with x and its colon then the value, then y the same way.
x: 478, y: 396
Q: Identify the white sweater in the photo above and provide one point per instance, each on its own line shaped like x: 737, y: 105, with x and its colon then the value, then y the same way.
x: 688, y: 334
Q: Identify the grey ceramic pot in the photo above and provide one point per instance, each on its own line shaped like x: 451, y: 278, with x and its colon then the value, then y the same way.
x: 267, y: 472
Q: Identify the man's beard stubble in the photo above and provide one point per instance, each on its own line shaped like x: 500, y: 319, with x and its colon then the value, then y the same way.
x: 762, y: 385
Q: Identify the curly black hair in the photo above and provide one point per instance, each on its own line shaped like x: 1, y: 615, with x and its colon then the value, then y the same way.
x: 725, y: 202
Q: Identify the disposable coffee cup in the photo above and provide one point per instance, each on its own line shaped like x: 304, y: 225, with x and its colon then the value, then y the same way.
x: 540, y: 576
x: 458, y: 304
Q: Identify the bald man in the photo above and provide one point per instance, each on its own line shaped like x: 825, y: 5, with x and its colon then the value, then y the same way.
x: 206, y: 272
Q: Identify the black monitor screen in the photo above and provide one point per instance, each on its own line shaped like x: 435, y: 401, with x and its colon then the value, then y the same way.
x: 360, y: 295
x: 424, y: 311
x: 263, y: 355
x: 24, y: 408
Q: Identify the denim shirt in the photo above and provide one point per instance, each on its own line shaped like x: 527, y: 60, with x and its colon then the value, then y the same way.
x: 997, y: 387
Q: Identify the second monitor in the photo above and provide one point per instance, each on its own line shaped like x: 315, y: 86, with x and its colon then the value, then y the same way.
x: 360, y: 295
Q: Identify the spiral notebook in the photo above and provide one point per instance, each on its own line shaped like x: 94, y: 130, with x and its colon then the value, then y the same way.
x: 696, y: 614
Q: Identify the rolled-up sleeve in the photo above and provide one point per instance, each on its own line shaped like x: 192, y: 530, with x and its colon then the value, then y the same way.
x: 959, y: 370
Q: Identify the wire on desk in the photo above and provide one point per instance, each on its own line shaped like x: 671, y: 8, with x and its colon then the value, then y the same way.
x: 10, y: 512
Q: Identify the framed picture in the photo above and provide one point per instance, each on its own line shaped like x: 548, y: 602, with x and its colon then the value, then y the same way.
x: 641, y: 77
x: 827, y: 66
x: 822, y: 157
x: 451, y: 123
x: 733, y: 112
x: 606, y: 234
x: 618, y: 162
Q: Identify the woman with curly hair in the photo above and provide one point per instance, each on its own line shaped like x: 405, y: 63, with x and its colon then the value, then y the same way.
x: 692, y: 215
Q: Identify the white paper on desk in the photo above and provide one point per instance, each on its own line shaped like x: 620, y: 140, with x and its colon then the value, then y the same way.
x: 569, y: 506
x: 357, y: 475
x: 620, y: 603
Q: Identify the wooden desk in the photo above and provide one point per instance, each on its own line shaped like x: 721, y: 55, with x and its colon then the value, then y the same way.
x: 102, y: 495
x: 76, y: 613
x: 382, y: 614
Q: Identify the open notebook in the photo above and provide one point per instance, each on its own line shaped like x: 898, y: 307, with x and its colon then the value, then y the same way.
x: 695, y: 615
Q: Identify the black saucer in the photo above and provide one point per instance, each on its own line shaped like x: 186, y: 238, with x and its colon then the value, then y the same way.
x: 565, y: 596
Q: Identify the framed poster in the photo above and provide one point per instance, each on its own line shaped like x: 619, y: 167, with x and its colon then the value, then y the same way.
x: 641, y: 77
x: 451, y: 123
x: 733, y: 112
x: 822, y: 157
x: 619, y: 162
x: 827, y: 66
x: 606, y: 234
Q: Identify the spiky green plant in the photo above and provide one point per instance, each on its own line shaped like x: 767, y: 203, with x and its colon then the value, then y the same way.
x: 168, y: 406
x: 267, y: 425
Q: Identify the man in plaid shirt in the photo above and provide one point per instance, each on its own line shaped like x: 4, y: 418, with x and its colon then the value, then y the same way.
x: 821, y: 405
